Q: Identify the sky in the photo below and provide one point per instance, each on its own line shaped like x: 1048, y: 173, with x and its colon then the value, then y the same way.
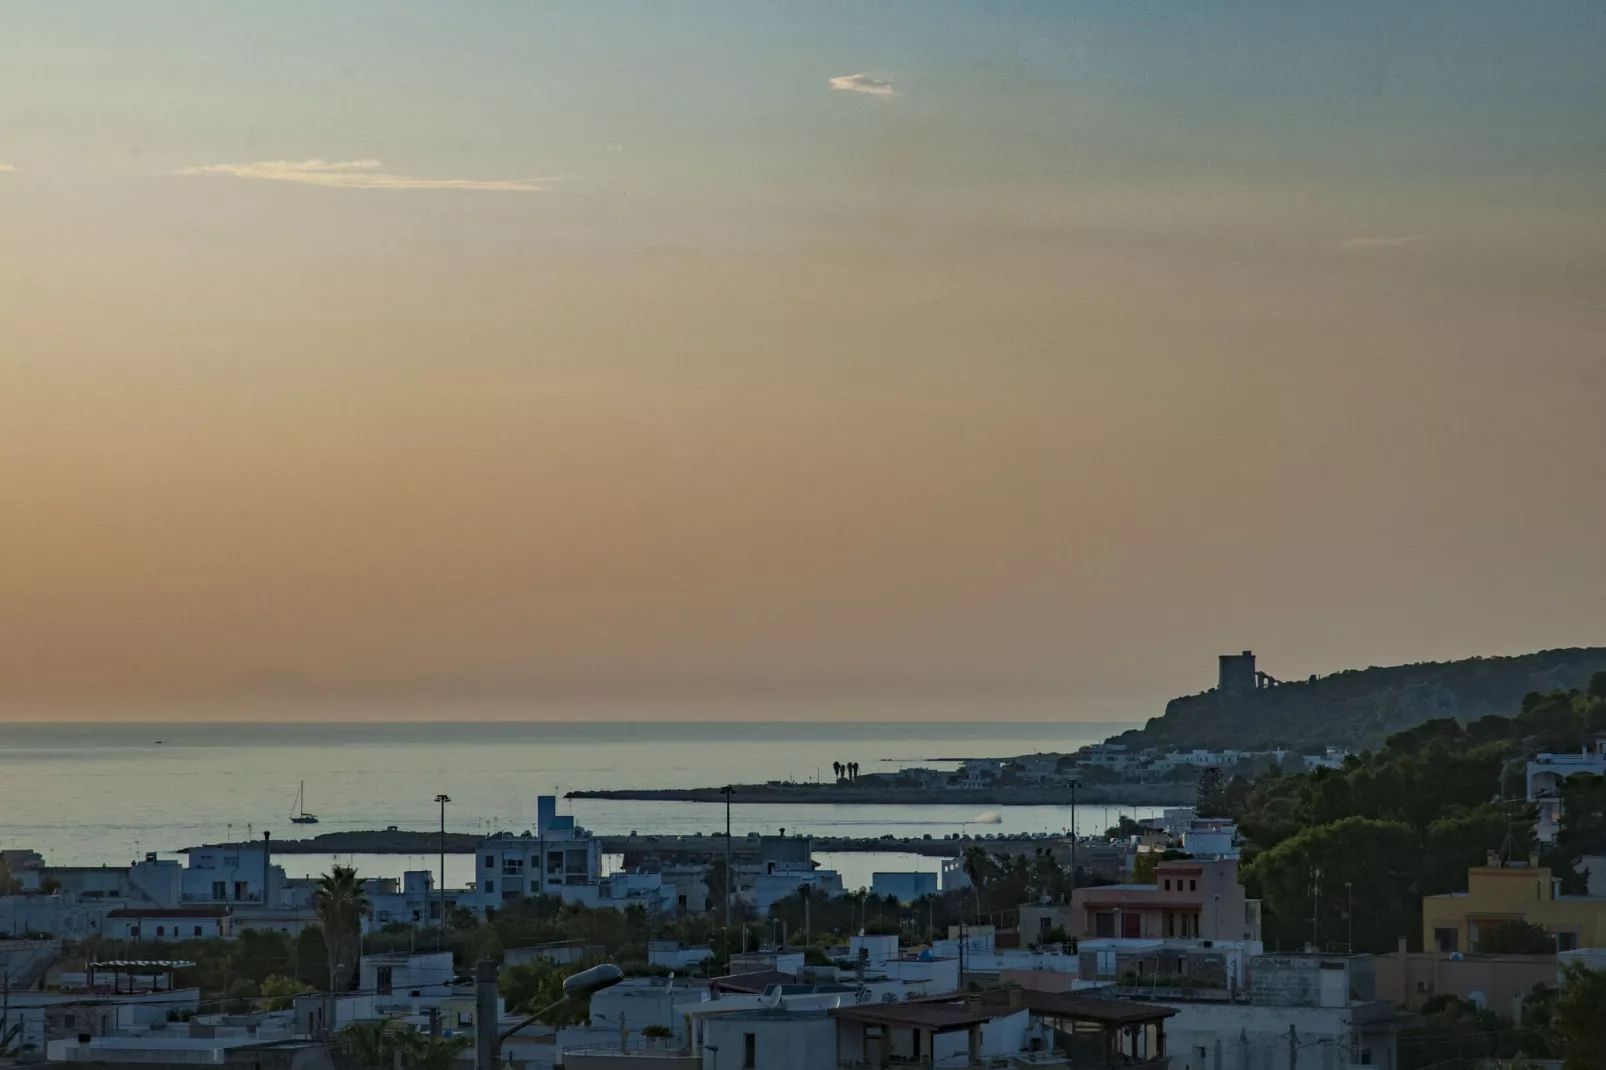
x: 828, y: 360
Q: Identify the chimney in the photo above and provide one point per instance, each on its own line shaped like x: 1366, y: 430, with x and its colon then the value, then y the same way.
x: 267, y: 843
x: 973, y: 1002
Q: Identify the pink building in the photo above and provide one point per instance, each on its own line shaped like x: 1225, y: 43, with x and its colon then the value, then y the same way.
x: 1190, y: 899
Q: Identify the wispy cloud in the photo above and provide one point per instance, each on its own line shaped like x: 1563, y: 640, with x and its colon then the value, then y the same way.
x: 1404, y: 241
x: 6, y: 167
x: 864, y: 83
x: 353, y: 174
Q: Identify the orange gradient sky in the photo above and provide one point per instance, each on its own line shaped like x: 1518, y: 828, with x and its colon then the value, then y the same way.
x: 1018, y: 378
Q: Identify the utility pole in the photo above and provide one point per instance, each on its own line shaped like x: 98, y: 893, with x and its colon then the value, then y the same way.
x: 1349, y: 914
x: 486, y: 1024
x: 730, y: 874
x: 443, y: 799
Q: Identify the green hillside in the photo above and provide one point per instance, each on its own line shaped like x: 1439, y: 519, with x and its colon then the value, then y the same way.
x: 1358, y: 708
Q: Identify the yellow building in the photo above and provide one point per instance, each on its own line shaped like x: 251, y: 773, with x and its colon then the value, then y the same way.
x: 1511, y: 892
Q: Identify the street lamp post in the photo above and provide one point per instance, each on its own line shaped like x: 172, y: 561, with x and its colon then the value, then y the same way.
x: 728, y: 791
x: 1074, y: 785
x: 488, y: 1053
x: 443, y: 799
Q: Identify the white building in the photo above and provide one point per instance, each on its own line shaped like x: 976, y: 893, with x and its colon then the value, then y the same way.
x: 638, y: 1002
x: 557, y: 858
x: 1114, y: 756
x: 1545, y: 775
x: 227, y: 873
x: 1305, y: 1010
x: 786, y: 864
x: 1211, y: 837
x: 91, y: 1011
x: 905, y: 887
x: 411, y: 901
x: 670, y: 955
x: 167, y: 924
x: 420, y: 975
x: 1332, y: 758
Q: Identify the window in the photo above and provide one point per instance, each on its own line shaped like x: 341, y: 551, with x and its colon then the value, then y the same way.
x: 1168, y: 884
x: 1104, y: 924
x: 384, y: 980
x: 1446, y: 940
x: 490, y: 887
x: 1193, y: 886
x: 197, y: 930
x: 1566, y: 941
x: 490, y: 861
x: 749, y: 1051
x: 220, y: 890
x: 159, y: 931
x: 240, y: 891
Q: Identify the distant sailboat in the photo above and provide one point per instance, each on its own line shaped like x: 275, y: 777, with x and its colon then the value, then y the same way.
x: 299, y: 815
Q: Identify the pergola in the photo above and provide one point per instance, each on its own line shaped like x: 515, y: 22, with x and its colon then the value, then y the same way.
x: 152, y: 968
x: 924, y: 1019
x: 1103, y: 1032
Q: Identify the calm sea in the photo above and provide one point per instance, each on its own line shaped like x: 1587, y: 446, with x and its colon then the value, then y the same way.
x: 87, y: 794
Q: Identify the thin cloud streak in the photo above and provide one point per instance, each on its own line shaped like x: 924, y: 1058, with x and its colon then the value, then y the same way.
x: 353, y: 174
x: 864, y: 83
x: 6, y: 167
x: 1405, y: 241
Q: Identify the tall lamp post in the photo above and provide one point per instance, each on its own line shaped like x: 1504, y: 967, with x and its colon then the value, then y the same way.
x: 488, y: 1042
x: 730, y: 882
x: 443, y: 799
x: 1074, y: 785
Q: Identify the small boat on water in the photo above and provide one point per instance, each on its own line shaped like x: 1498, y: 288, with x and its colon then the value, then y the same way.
x: 299, y: 815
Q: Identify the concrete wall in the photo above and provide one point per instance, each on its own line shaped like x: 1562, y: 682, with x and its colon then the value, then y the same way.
x: 1495, y: 981
x: 1237, y: 1037
x: 780, y: 1043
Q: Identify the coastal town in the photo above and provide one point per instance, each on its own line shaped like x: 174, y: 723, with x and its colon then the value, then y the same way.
x: 1299, y: 912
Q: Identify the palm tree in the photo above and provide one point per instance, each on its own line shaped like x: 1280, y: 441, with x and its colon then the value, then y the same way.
x: 836, y: 769
x: 978, y: 866
x: 341, y: 904
x: 421, y: 1051
x: 370, y: 1043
